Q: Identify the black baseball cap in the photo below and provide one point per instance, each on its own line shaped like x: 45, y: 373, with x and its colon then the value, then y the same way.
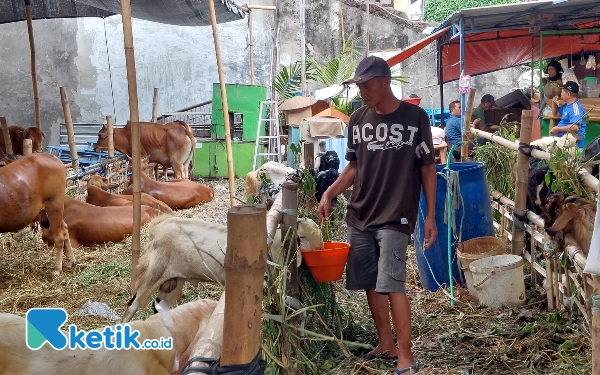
x: 370, y: 67
x: 487, y: 98
x: 571, y: 86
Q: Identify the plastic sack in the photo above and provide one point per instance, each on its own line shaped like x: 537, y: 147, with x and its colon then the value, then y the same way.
x: 591, y: 63
x: 464, y: 84
x: 592, y: 265
x: 569, y: 75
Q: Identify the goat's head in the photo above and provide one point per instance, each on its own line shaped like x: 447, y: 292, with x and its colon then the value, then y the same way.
x: 309, y: 235
x: 551, y: 209
x: 563, y: 209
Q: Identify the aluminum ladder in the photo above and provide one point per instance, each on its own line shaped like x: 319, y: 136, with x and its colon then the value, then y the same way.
x: 273, y: 147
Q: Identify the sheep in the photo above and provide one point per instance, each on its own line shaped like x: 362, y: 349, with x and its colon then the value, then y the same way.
x: 570, y: 215
x: 193, y: 250
x: 17, y: 359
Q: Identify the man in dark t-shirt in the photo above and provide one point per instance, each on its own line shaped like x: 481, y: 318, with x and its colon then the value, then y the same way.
x: 390, y: 150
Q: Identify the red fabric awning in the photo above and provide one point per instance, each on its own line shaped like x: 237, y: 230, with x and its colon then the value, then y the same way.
x: 415, y: 47
x: 491, y: 51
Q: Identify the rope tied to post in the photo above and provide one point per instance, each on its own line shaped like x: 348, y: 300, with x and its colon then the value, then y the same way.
x: 520, y: 218
x: 525, y: 149
x: 256, y: 367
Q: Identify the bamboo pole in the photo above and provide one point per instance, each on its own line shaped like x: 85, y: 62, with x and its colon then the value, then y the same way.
x: 342, y: 26
x: 303, y: 46
x: 155, y: 105
x: 208, y: 342
x: 464, y: 150
x: 275, y: 58
x: 596, y: 334
x: 230, y: 172
x: 111, y: 139
x: 368, y: 22
x: 27, y: 147
x: 518, y: 235
x: 251, y: 45
x: 586, y: 177
x: 36, y: 96
x: 550, y: 283
x: 134, y: 118
x: 263, y: 7
x: 245, y: 264
x: 6, y: 136
x: 69, y: 123
x: 289, y: 194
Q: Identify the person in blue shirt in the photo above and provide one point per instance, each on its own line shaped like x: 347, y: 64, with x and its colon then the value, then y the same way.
x: 454, y: 130
x: 572, y: 113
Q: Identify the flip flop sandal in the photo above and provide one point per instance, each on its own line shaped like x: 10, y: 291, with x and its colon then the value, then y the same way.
x: 406, y: 370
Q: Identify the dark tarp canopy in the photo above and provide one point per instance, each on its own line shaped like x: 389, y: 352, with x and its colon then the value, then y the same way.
x: 174, y: 12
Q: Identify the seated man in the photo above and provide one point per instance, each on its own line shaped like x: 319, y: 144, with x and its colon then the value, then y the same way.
x: 572, y: 113
x: 454, y: 130
x: 478, y: 116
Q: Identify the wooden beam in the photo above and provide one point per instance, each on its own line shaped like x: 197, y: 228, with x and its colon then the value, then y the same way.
x: 111, y: 139
x: 36, y: 96
x: 69, y: 123
x: 245, y: 265
x: 6, y: 136
x: 230, y: 172
x: 464, y: 150
x: 263, y: 7
x: 134, y: 118
x: 518, y: 242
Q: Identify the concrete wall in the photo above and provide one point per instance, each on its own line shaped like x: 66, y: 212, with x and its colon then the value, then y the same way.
x: 75, y: 53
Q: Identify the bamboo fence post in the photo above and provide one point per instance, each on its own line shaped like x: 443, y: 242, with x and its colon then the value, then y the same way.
x: 289, y: 194
x: 111, y: 139
x: 134, y: 118
x: 27, y: 147
x: 518, y: 235
x: 230, y: 172
x: 69, y: 123
x: 251, y: 45
x: 464, y: 150
x: 245, y: 265
x: 209, y: 342
x: 596, y: 334
x: 36, y: 96
x: 6, y: 136
x: 550, y: 284
x: 155, y: 105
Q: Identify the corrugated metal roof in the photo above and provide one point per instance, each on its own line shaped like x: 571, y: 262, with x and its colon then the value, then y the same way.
x: 518, y: 15
x: 174, y: 12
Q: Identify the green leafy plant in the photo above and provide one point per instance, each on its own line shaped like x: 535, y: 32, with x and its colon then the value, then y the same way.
x: 440, y: 10
x: 564, y: 164
x: 289, y: 79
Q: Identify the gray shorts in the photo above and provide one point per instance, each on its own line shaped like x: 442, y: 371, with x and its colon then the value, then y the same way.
x: 377, y: 260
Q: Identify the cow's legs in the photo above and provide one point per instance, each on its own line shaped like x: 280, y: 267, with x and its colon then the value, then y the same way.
x: 60, y: 234
x: 69, y: 255
x: 178, y: 169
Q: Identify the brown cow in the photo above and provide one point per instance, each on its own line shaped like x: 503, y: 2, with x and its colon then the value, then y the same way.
x: 178, y: 194
x: 89, y: 224
x: 18, y: 134
x: 171, y: 145
x: 98, y: 196
x: 29, y: 185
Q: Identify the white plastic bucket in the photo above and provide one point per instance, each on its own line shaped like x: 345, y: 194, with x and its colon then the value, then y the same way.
x: 475, y: 249
x: 499, y: 280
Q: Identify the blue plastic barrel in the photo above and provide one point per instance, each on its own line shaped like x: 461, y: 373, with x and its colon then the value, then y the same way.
x: 477, y: 222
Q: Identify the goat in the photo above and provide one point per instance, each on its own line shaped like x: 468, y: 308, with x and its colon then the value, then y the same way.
x: 17, y: 359
x: 572, y: 216
x: 274, y: 174
x: 568, y: 143
x: 192, y: 250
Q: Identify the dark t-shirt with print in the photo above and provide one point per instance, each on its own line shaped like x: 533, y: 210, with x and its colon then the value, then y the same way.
x: 389, y: 151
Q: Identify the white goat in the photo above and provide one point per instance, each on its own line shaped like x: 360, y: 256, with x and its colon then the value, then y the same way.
x: 275, y: 173
x: 193, y: 250
x: 567, y: 143
x: 17, y: 359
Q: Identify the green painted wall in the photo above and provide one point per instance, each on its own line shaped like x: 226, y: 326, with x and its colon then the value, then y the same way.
x: 211, y: 158
x: 244, y: 99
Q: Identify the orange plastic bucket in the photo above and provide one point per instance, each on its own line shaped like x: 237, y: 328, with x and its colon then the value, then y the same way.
x: 327, y: 264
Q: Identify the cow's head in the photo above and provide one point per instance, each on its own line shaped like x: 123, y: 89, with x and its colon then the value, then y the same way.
x: 102, y: 183
x: 37, y: 137
x: 102, y: 143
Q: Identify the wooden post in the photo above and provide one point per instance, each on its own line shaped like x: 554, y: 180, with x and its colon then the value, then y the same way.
x: 36, y: 96
x: 6, y: 136
x: 213, y: 19
x: 303, y: 46
x: 464, y: 150
x: 518, y: 235
x: 155, y: 105
x: 251, y: 45
x: 342, y: 26
x: 549, y: 284
x: 208, y: 342
x: 69, y: 123
x: 596, y: 334
x: 368, y: 22
x: 245, y: 264
x: 134, y: 118
x: 275, y: 59
x: 308, y: 152
x: 111, y: 139
x: 289, y: 192
x: 27, y: 147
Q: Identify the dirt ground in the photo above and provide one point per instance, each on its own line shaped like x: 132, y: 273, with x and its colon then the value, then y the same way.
x: 464, y: 339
